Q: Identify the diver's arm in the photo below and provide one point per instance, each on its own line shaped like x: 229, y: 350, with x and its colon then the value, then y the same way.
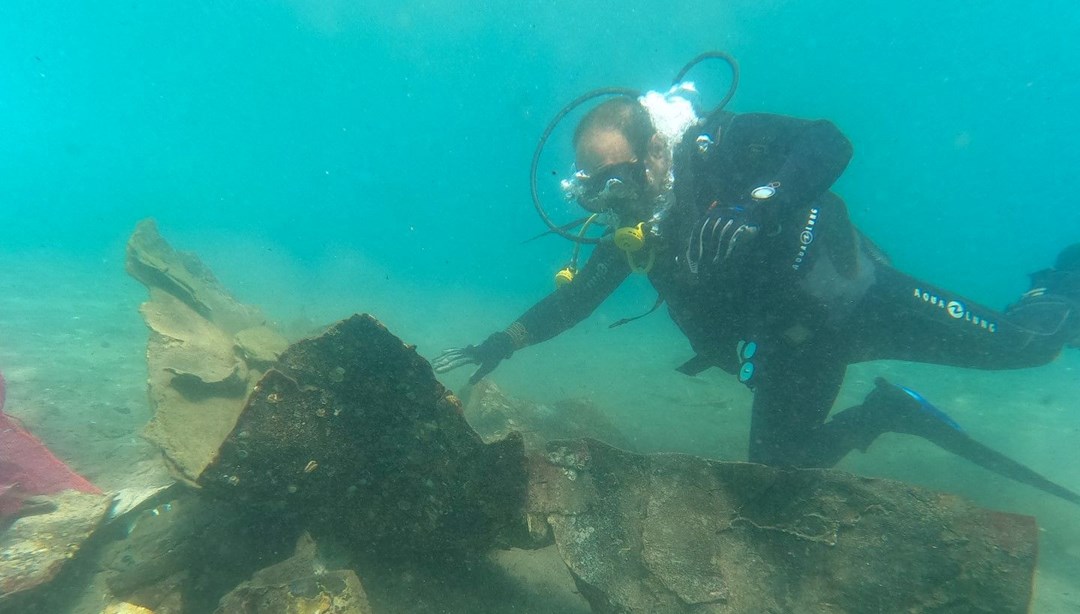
x: 559, y: 311
x: 562, y: 309
x: 768, y: 175
x: 802, y: 157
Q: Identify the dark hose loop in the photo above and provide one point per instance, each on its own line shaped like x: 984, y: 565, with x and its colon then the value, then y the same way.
x: 559, y: 230
x: 714, y: 55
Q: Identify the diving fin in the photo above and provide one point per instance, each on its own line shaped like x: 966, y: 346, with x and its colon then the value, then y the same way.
x: 914, y: 415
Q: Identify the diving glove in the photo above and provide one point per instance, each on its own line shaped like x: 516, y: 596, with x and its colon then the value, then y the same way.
x: 496, y: 348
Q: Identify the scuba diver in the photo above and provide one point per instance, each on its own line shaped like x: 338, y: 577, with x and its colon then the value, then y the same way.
x: 732, y: 219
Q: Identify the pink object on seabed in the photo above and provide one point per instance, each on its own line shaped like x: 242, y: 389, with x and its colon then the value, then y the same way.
x: 28, y: 468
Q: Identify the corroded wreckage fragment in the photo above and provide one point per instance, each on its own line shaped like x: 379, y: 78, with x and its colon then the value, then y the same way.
x: 677, y: 533
x: 36, y: 546
x: 494, y: 415
x: 298, y: 584
x: 352, y: 432
x: 205, y: 351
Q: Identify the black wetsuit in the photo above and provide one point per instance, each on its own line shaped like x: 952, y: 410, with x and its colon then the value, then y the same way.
x: 809, y: 294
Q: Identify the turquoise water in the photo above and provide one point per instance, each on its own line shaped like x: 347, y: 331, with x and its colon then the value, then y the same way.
x: 326, y: 157
x: 404, y: 133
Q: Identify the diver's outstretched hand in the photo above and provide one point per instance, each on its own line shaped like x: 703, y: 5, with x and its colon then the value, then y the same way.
x: 496, y: 348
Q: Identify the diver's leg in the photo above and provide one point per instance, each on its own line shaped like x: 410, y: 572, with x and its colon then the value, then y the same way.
x: 791, y: 401
x: 902, y: 318
x: 784, y: 432
x: 793, y: 394
x: 795, y: 388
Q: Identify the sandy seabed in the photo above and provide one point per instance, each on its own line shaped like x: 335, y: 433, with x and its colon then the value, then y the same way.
x: 72, y: 348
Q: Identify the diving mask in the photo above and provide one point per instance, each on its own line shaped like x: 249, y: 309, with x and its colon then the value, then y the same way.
x: 607, y: 187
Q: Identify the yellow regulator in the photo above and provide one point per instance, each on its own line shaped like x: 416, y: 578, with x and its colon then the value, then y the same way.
x: 564, y: 277
x: 630, y: 238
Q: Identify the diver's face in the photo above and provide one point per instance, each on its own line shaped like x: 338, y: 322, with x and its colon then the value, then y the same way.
x: 614, y: 179
x: 602, y: 148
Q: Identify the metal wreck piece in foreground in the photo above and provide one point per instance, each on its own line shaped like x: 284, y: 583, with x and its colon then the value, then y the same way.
x: 677, y: 533
x: 352, y: 432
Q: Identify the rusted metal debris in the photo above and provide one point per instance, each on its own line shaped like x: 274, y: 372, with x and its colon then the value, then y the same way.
x: 35, y: 547
x: 204, y: 354
x: 298, y: 584
x: 677, y: 533
x: 352, y: 431
x: 494, y: 415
